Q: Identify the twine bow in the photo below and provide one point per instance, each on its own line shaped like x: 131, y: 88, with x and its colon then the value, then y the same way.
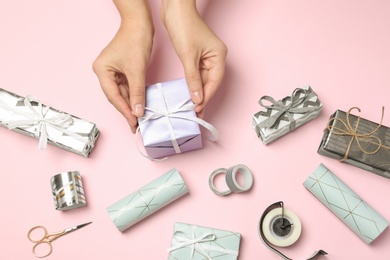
x: 186, y: 105
x: 348, y: 130
x: 36, y: 117
x: 199, y: 244
x: 291, y: 108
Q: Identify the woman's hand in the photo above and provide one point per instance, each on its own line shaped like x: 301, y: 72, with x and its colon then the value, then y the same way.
x: 121, y: 66
x: 201, y: 52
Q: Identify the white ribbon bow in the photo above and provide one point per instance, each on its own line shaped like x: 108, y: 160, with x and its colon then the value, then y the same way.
x: 37, y: 118
x: 181, y: 240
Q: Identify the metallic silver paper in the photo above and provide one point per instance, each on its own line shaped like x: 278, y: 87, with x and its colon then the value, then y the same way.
x: 147, y: 200
x: 30, y: 117
x: 360, y: 217
x: 67, y: 189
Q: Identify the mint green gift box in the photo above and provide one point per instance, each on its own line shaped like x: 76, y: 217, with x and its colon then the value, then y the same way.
x: 192, y: 242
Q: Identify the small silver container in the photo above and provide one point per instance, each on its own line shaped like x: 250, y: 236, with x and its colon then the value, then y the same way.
x: 67, y: 189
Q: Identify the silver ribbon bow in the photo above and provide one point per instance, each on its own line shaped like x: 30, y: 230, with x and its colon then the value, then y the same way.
x: 288, y: 110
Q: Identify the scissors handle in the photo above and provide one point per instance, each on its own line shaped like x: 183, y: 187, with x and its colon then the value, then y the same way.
x: 40, y: 238
x: 43, y: 241
x: 39, y: 245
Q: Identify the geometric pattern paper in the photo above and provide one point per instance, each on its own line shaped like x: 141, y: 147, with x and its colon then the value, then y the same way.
x: 147, y: 200
x: 203, y: 243
x: 360, y: 217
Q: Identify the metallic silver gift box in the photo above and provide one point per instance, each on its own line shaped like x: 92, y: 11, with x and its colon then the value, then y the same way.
x: 28, y: 116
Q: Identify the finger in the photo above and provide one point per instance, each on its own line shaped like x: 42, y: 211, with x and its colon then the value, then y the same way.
x: 213, y: 79
x: 194, y: 80
x: 113, y: 94
x: 200, y: 114
x: 136, y: 82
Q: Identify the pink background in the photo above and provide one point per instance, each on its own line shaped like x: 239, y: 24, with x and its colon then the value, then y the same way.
x: 340, y: 48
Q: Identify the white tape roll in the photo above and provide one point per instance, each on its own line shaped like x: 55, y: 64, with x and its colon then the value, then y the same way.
x: 281, y: 231
x: 281, y: 227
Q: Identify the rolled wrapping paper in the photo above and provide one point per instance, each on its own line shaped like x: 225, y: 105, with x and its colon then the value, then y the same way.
x: 359, y: 216
x: 147, y: 200
x: 28, y: 116
x: 231, y: 179
x: 67, y: 189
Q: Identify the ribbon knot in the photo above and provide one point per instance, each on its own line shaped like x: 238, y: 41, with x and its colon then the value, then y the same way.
x: 286, y: 107
x: 349, y: 130
x: 182, y: 239
x: 37, y: 117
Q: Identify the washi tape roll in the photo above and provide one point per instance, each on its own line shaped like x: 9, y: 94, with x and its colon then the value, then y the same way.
x: 67, y: 189
x: 147, y: 200
x: 231, y: 179
x: 359, y: 216
x: 281, y: 227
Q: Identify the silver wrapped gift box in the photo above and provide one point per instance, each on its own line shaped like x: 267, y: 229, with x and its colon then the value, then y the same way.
x: 283, y: 116
x: 28, y: 116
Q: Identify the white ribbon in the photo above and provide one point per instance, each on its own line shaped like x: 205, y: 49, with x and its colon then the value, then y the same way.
x: 181, y: 240
x: 37, y: 118
x: 187, y: 105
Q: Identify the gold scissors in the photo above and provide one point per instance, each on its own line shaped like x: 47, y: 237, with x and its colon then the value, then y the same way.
x: 44, y: 241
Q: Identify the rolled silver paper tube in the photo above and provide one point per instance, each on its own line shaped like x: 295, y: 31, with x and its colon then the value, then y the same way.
x: 67, y: 190
x: 147, y: 200
x: 360, y: 217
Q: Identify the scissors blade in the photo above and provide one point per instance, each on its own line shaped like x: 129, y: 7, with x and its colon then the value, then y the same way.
x: 74, y: 228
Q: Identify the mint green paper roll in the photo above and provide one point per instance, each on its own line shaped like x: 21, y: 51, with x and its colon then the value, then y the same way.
x: 147, y: 200
x: 360, y: 217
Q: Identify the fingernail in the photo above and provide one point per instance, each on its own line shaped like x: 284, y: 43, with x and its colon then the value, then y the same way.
x: 196, y: 96
x: 138, y: 110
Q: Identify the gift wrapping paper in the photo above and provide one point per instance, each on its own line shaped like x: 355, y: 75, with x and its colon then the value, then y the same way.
x: 283, y: 116
x: 359, y: 216
x: 357, y: 141
x: 200, y: 243
x: 30, y: 117
x: 147, y: 200
x: 164, y: 135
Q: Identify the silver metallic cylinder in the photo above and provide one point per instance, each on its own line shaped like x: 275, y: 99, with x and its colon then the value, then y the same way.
x: 67, y: 189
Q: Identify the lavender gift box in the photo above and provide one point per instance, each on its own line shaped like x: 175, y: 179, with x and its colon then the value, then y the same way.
x: 28, y: 116
x: 169, y: 125
x: 283, y: 116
